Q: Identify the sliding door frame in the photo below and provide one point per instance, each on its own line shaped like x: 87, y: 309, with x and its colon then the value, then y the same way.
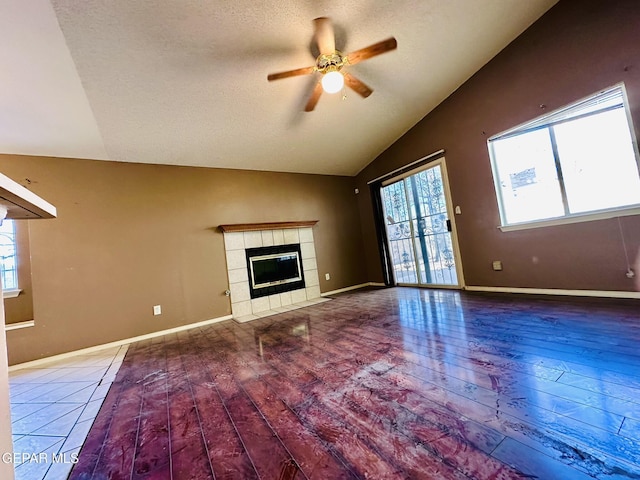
x: 439, y: 161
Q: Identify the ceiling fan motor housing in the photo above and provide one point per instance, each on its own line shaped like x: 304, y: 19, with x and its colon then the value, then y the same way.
x: 330, y: 62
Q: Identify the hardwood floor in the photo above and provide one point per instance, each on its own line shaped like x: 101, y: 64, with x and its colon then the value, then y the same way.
x: 383, y: 384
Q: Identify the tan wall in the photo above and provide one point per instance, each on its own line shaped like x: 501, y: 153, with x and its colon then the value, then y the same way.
x: 130, y: 236
x: 576, y: 49
x: 6, y: 444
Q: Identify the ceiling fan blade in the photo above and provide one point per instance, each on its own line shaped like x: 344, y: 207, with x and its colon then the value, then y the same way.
x: 324, y: 35
x: 372, y: 50
x: 291, y: 73
x: 357, y: 85
x: 315, y: 96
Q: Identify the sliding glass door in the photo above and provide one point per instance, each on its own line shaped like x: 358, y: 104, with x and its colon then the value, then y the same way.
x: 419, y: 228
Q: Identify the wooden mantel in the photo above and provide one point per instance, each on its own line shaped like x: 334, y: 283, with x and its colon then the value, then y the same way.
x: 245, y: 227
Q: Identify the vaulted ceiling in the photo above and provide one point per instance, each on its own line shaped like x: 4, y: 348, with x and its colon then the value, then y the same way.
x: 185, y: 82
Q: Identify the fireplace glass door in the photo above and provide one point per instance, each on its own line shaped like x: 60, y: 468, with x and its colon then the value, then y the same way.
x: 419, y: 229
x: 274, y: 269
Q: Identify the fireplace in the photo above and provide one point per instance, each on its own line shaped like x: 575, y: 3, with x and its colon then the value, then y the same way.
x: 274, y: 269
x: 251, y: 287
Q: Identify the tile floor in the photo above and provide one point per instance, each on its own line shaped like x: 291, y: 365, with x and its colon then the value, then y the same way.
x: 53, y: 407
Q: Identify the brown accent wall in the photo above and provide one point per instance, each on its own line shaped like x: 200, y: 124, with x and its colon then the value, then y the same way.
x: 576, y: 49
x: 130, y: 236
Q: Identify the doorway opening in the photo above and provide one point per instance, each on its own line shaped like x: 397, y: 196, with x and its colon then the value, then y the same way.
x: 420, y: 233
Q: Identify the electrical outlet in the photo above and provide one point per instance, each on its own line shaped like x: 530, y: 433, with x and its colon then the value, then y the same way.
x: 157, y: 310
x: 497, y: 265
x: 327, y: 276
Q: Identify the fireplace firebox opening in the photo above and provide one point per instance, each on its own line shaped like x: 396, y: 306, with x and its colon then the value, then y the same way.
x: 274, y: 269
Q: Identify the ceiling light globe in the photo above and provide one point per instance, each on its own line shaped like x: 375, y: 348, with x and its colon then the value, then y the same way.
x: 332, y: 82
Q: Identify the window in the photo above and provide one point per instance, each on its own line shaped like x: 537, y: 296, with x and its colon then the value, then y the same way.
x: 8, y: 258
x: 573, y: 163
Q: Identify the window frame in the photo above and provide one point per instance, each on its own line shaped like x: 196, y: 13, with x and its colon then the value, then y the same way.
x: 540, y: 123
x: 15, y: 291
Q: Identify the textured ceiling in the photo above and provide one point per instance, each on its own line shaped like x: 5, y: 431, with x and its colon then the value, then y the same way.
x: 184, y: 82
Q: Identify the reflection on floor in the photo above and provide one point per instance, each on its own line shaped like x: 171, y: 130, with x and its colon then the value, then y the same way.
x: 393, y: 383
x: 280, y: 309
x: 53, y: 407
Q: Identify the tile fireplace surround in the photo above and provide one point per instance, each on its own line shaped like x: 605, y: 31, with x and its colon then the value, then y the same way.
x: 238, y: 237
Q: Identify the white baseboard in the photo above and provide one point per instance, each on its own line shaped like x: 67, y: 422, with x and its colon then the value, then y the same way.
x: 345, y: 289
x: 352, y: 287
x: 117, y: 343
x: 556, y: 291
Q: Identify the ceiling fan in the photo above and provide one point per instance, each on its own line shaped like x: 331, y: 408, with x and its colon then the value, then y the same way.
x: 330, y: 63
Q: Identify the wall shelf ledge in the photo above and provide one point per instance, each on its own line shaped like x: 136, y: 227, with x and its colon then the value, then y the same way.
x: 246, y: 227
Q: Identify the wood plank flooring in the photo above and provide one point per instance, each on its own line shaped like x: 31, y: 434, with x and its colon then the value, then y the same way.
x: 383, y: 384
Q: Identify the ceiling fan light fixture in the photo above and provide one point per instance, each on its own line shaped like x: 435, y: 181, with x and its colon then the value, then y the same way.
x: 330, y: 62
x: 332, y: 81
